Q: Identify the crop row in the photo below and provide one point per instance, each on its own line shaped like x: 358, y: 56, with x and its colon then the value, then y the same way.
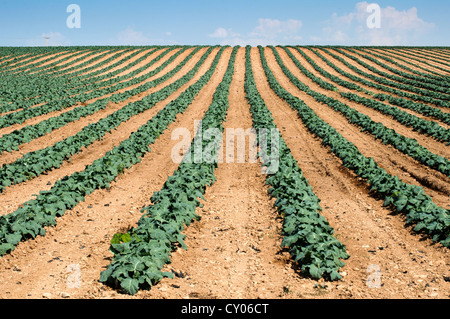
x: 141, y: 253
x: 399, y: 101
x: 38, y: 61
x: 428, y: 75
x: 31, y: 81
x: 410, y: 200
x: 20, y: 116
x: 63, y: 84
x: 420, y: 59
x: 437, y: 54
x: 404, y: 144
x: 35, y: 163
x: 414, y: 85
x: 425, y: 78
x: 430, y: 128
x: 395, y: 88
x: 30, y: 220
x: 72, y: 90
x: 12, y: 141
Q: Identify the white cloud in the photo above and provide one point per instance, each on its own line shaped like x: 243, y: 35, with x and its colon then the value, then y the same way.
x: 266, y: 32
x: 129, y: 36
x: 273, y: 28
x: 223, y: 33
x: 397, y: 27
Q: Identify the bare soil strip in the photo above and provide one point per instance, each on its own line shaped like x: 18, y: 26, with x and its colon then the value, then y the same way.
x: 20, y: 58
x: 372, y: 64
x: 104, y: 66
x: 66, y: 74
x: 441, y: 53
x: 71, y: 56
x: 412, y: 66
x: 125, y: 63
x: 431, y: 53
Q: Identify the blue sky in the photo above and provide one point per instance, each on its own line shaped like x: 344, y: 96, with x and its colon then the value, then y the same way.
x: 138, y: 22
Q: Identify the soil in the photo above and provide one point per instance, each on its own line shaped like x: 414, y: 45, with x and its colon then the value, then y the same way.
x: 234, y: 250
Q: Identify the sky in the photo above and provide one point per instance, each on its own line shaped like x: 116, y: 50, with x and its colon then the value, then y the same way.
x: 225, y: 22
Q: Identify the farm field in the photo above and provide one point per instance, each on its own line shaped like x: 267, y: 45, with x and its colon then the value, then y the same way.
x: 94, y: 206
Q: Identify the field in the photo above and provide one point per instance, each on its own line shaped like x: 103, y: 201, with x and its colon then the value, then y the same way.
x: 352, y: 203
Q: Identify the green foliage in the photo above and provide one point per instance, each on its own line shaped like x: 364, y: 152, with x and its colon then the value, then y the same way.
x: 119, y: 238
